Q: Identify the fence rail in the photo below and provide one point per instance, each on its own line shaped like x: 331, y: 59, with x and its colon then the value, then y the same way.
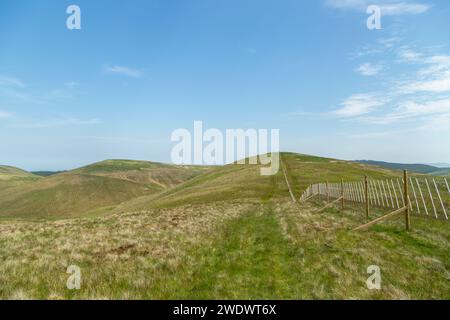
x: 426, y: 196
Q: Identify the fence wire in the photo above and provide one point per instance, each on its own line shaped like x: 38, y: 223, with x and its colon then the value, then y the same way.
x: 428, y: 196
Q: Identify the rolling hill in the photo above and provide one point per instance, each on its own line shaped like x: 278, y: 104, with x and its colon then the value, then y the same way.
x: 232, y: 182
x: 128, y: 185
x: 89, y: 189
x: 442, y: 172
x: 12, y: 173
x: 418, y: 168
x: 14, y: 177
x: 222, y: 233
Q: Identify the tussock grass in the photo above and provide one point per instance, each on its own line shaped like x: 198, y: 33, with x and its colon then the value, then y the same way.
x: 414, y: 265
x: 227, y: 233
x: 121, y: 256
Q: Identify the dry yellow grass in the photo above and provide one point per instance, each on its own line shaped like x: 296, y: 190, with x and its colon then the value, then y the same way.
x: 229, y: 233
x: 121, y: 256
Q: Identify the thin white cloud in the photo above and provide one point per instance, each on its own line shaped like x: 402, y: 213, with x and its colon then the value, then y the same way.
x: 389, y: 42
x: 396, y: 9
x: 442, y: 84
x: 14, y: 91
x: 368, y: 69
x: 55, y: 123
x: 420, y: 95
x: 381, y: 46
x: 408, y: 55
x: 388, y: 7
x: 11, y: 82
x: 434, y: 77
x: 122, y: 70
x: 411, y: 110
x: 360, y: 104
x: 4, y: 114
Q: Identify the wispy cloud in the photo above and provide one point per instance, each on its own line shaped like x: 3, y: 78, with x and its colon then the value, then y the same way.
x: 382, y: 45
x: 389, y: 42
x: 420, y: 96
x: 4, y: 114
x: 360, y: 104
x: 122, y: 70
x: 432, y: 77
x: 388, y: 7
x: 15, y: 91
x: 395, y: 9
x: 6, y: 81
x: 411, y: 111
x: 368, y: 69
x: 438, y: 85
x: 412, y: 108
x: 62, y: 122
x: 408, y: 55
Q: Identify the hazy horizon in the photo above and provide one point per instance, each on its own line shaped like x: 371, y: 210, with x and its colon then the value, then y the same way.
x: 50, y: 169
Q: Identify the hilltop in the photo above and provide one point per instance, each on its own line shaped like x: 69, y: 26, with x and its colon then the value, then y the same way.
x: 234, y: 182
x: 224, y: 233
x: 418, y: 168
x: 10, y: 173
x: 91, y: 189
x: 128, y: 185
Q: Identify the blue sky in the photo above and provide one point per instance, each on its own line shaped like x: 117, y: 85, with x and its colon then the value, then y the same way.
x: 138, y: 70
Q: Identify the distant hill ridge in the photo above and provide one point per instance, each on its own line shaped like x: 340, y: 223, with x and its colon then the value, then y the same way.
x: 121, y: 186
x: 93, y: 187
x: 416, y: 167
x: 46, y: 173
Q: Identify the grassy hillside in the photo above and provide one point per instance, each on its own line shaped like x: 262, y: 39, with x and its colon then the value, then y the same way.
x: 12, y: 173
x: 229, y: 233
x: 143, y: 172
x: 442, y: 172
x: 231, y: 182
x: 418, y: 168
x: 234, y: 181
x: 90, y: 189
x: 11, y: 177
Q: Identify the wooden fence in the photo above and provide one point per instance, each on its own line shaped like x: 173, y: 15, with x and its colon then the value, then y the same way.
x: 426, y: 196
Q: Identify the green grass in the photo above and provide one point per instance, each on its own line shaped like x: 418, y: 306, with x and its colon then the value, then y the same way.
x: 249, y: 259
x: 78, y: 192
x: 227, y: 233
x: 11, y: 173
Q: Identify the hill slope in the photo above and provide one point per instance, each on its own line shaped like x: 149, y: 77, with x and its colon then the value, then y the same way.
x: 94, y: 187
x: 10, y: 173
x: 235, y: 181
x: 11, y: 177
x: 230, y: 234
x: 418, y: 168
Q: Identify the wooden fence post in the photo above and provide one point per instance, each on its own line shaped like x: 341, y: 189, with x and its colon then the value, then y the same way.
x: 366, y: 195
x: 328, y: 194
x: 318, y: 192
x: 406, y: 200
x: 342, y: 194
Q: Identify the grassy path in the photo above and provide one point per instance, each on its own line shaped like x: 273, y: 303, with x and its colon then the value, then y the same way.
x: 250, y: 259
